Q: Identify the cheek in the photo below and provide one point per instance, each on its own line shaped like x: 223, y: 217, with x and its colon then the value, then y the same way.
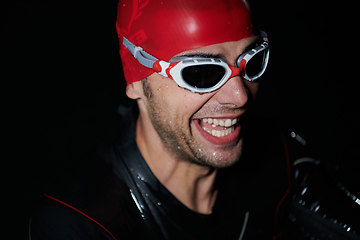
x: 175, y: 103
x: 178, y: 100
x: 182, y: 106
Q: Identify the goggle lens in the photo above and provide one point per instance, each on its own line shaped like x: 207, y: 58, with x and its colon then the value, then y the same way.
x: 203, y: 76
x: 256, y: 64
x: 209, y: 75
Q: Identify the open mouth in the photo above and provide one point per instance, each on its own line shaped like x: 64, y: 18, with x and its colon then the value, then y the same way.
x: 219, y: 131
x: 219, y: 127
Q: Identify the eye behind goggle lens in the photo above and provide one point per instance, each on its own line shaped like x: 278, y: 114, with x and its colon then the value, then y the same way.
x: 256, y: 64
x: 203, y: 76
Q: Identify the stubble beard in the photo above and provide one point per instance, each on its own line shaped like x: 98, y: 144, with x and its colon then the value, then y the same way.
x: 178, y: 142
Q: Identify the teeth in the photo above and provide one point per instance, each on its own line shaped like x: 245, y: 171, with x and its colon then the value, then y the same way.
x: 228, y: 124
x: 220, y: 133
x: 216, y: 122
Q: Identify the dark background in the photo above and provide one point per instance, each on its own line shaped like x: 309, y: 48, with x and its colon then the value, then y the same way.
x: 62, y: 83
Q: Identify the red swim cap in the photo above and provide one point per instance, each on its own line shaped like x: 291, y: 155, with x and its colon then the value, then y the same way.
x: 165, y: 28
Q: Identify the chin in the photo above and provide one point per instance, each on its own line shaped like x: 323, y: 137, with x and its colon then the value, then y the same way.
x: 219, y: 159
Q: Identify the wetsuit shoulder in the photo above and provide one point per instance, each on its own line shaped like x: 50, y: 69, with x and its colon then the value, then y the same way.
x: 89, y: 203
x: 54, y: 220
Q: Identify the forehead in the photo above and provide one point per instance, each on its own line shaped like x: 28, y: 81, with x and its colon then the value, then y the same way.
x: 226, y: 50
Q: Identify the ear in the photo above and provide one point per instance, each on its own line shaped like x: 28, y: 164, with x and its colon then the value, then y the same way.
x: 134, y: 90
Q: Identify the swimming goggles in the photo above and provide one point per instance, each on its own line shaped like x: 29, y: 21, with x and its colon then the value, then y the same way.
x: 203, y: 75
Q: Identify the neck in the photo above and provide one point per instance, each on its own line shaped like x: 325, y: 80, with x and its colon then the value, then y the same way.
x: 191, y: 184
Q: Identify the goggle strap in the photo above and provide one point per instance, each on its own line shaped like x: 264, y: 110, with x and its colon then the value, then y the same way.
x: 143, y: 57
x: 264, y: 36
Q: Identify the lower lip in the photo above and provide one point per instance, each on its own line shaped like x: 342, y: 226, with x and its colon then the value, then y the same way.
x: 234, y: 136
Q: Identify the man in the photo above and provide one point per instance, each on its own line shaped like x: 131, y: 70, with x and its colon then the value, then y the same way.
x: 189, y: 163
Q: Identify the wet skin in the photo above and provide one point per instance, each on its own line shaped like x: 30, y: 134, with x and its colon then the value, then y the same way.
x: 176, y: 137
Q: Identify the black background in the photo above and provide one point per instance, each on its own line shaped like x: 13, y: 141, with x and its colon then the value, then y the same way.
x: 62, y: 84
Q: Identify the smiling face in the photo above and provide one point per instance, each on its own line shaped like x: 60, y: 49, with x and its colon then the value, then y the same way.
x: 204, y: 129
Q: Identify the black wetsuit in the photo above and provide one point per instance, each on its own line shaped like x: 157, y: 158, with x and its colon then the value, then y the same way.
x: 114, y: 194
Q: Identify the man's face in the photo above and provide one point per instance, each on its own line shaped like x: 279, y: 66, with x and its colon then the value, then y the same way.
x: 204, y: 129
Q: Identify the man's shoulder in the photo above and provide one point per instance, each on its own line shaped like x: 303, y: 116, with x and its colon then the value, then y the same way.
x: 55, y: 220
x: 88, y: 200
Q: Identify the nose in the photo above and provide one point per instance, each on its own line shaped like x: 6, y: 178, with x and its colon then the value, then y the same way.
x: 233, y: 93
